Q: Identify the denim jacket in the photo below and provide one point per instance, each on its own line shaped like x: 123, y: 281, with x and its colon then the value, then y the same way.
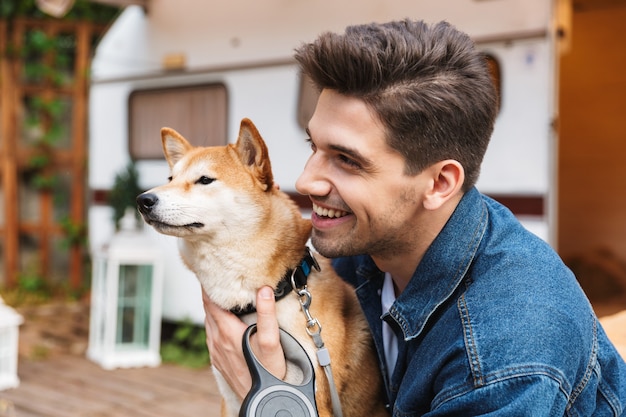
x: 491, y: 323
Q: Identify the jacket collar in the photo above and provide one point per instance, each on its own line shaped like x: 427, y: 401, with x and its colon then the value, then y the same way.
x: 443, y: 266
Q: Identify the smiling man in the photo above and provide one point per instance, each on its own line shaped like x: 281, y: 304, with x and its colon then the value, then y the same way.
x: 376, y: 206
x: 471, y: 313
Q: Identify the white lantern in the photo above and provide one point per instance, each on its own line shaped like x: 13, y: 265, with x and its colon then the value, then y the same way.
x: 126, y: 298
x: 9, y: 329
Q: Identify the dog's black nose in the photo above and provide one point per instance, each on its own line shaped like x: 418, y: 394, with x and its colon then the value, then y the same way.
x: 146, y: 201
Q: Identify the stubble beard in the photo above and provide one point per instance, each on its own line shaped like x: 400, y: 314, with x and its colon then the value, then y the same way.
x: 348, y: 245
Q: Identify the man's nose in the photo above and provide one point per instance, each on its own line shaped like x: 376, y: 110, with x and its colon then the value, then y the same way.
x: 313, y: 179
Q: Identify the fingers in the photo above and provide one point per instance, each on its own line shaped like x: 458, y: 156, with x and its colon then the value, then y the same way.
x: 267, y: 325
x: 266, y: 342
x: 224, y: 333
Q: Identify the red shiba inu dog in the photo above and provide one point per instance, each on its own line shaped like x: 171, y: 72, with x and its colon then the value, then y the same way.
x: 238, y: 233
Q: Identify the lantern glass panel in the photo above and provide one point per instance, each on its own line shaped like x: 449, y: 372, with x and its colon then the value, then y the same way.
x: 99, y: 297
x: 5, y: 350
x: 134, y: 305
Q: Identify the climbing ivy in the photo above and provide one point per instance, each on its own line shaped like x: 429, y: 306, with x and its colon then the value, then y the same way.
x: 45, y: 54
x: 47, y: 59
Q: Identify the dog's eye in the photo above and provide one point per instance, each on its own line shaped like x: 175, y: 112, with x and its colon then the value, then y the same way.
x: 169, y: 179
x: 204, y: 180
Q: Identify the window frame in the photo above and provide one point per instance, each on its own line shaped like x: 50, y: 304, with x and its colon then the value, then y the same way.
x: 211, y: 136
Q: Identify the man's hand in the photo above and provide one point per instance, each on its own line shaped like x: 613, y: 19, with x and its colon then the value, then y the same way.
x: 225, y: 331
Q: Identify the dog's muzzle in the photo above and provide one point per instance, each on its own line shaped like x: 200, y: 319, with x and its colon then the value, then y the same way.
x: 147, y: 203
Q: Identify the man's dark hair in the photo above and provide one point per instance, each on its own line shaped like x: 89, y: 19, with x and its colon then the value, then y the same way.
x: 428, y: 84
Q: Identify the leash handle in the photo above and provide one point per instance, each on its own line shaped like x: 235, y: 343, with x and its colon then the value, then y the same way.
x: 270, y: 396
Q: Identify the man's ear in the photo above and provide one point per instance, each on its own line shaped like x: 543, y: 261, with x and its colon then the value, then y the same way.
x: 447, y: 181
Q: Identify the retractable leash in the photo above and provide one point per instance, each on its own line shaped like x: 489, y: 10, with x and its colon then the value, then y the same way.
x: 269, y: 395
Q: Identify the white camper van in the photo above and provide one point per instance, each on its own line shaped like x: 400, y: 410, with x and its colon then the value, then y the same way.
x: 200, y: 67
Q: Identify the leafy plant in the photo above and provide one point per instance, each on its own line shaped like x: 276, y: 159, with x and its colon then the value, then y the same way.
x: 34, y: 289
x: 124, y: 192
x: 33, y: 284
x: 31, y: 289
x: 39, y: 169
x: 187, y: 346
x: 75, y: 234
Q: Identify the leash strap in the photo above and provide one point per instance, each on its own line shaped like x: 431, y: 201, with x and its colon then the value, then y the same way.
x: 314, y: 328
x: 324, y: 358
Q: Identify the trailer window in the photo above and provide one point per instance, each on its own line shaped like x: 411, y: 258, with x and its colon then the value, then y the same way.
x: 308, y: 94
x: 199, y: 113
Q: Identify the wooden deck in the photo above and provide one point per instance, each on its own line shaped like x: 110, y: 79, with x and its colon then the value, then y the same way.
x: 72, y: 386
x: 57, y: 380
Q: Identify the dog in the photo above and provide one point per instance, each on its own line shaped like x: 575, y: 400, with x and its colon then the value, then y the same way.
x: 239, y: 232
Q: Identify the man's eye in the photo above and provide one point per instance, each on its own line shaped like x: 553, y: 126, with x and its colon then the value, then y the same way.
x: 204, y: 180
x: 348, y: 161
x: 311, y: 144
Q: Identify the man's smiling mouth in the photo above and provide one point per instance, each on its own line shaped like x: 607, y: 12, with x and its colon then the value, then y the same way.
x: 324, y: 212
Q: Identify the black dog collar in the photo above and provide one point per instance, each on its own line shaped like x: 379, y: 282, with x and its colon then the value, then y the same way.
x: 293, y: 279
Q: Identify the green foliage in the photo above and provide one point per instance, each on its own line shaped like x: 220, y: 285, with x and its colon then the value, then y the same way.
x: 31, y: 289
x: 44, y: 181
x: 39, y: 173
x: 38, y: 41
x: 52, y: 108
x: 39, y: 161
x: 124, y: 192
x: 81, y: 10
x: 48, y: 58
x: 15, y: 8
x: 75, y: 234
x: 33, y: 284
x: 34, y: 289
x: 186, y: 347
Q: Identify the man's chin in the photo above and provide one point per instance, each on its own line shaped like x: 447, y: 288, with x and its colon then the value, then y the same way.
x: 329, y: 248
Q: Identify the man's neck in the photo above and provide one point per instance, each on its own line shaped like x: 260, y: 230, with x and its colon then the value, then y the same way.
x: 402, y: 265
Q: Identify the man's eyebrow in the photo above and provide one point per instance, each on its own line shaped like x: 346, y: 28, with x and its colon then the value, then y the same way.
x: 354, y: 154
x: 365, y: 163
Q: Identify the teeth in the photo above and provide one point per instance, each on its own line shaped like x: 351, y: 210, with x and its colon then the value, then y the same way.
x: 320, y: 211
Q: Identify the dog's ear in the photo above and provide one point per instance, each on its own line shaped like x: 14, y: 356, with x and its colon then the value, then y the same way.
x: 253, y: 153
x: 174, y: 145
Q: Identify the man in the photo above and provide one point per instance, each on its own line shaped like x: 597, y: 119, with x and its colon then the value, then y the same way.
x: 471, y: 313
